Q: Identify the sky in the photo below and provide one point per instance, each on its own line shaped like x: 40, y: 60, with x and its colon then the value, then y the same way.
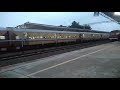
x: 12, y: 19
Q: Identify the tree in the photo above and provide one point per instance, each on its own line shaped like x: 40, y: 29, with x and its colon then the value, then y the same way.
x: 87, y: 27
x: 75, y: 25
x: 61, y: 25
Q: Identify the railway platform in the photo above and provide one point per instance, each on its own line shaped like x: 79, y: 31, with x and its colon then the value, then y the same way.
x: 102, y: 61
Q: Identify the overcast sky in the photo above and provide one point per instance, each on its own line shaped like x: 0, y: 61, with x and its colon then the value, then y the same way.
x: 12, y: 19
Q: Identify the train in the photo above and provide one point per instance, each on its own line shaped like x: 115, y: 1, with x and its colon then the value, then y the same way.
x: 114, y: 35
x: 18, y: 38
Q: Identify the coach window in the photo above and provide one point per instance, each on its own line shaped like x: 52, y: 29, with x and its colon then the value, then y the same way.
x: 17, y: 37
x: 2, y: 37
x: 37, y: 37
x: 58, y: 36
x: 112, y: 34
x: 83, y: 35
x: 30, y: 37
x: 33, y: 37
x: 41, y: 36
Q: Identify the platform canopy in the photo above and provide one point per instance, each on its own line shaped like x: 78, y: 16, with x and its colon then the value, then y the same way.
x: 113, y: 15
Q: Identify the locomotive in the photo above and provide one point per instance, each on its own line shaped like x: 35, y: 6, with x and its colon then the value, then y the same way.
x: 115, y: 35
x: 17, y: 38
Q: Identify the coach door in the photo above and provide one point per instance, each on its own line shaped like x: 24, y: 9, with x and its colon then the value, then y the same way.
x: 11, y: 35
x: 119, y: 37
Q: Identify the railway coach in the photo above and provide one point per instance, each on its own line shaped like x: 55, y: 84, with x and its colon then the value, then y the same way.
x: 4, y: 37
x: 33, y: 36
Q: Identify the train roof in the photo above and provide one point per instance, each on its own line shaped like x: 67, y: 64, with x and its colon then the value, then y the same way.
x: 115, y: 31
x: 49, y: 31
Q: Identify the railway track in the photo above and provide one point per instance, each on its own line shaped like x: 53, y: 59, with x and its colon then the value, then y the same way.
x: 23, y: 56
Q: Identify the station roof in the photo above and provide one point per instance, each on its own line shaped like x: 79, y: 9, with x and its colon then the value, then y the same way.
x: 113, y: 16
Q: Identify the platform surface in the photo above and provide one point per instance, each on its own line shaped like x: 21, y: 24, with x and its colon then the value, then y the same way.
x: 101, y: 61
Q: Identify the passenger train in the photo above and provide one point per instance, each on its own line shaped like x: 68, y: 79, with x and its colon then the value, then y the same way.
x: 17, y: 38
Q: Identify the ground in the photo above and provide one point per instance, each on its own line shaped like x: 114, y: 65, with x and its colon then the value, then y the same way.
x: 101, y: 61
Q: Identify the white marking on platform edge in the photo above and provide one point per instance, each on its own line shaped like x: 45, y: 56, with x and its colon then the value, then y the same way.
x: 64, y: 62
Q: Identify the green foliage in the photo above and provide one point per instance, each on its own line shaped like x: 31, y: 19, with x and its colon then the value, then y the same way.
x: 87, y: 26
x: 77, y: 25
